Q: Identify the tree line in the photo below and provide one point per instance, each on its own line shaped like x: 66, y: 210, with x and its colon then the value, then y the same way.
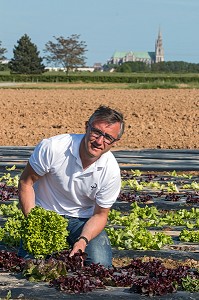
x: 161, y: 67
x: 69, y: 53
x: 66, y: 52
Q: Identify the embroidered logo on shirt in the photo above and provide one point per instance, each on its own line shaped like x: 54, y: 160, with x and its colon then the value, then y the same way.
x: 93, y: 186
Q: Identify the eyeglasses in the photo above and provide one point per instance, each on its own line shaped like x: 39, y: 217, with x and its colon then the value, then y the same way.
x: 96, y: 133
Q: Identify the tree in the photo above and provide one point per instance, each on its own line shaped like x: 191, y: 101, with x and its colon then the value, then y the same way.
x: 2, y: 57
x: 175, y: 67
x: 133, y: 66
x: 124, y: 68
x: 26, y: 58
x: 69, y: 52
x: 2, y: 52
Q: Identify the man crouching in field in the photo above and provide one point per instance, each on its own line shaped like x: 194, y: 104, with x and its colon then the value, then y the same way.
x: 78, y: 177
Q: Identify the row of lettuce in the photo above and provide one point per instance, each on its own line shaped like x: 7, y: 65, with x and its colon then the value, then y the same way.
x: 139, y: 228
x: 44, y: 232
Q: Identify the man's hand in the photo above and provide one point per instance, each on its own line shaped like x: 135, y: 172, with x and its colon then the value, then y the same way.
x: 79, y: 245
x: 91, y: 228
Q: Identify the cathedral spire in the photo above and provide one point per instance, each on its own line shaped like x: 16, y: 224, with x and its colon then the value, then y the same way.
x: 159, y: 33
x: 159, y: 51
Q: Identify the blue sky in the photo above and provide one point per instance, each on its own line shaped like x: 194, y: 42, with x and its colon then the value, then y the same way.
x: 105, y: 25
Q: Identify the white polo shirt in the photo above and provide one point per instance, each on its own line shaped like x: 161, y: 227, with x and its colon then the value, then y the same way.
x: 64, y: 186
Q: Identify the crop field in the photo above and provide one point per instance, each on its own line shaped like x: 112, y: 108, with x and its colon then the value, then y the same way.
x: 164, y: 119
x: 153, y: 227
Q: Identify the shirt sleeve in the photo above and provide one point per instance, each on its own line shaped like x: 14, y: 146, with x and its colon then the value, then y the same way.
x: 41, y: 157
x: 111, y: 186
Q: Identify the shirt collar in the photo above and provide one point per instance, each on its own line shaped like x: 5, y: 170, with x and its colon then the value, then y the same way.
x: 74, y: 147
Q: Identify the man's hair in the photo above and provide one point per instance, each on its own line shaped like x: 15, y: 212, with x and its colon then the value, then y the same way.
x: 109, y: 115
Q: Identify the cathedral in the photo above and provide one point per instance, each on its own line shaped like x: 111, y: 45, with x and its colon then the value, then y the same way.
x: 147, y: 57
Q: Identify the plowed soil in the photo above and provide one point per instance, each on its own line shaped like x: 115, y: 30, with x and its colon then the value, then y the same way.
x: 167, y: 119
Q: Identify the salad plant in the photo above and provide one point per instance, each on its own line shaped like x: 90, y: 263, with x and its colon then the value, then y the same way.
x: 190, y: 284
x: 9, y: 179
x: 189, y: 236
x: 44, y: 232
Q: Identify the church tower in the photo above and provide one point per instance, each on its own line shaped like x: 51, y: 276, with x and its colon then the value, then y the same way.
x: 159, y: 51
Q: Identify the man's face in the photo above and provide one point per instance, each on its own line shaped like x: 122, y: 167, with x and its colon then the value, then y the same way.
x: 100, y: 136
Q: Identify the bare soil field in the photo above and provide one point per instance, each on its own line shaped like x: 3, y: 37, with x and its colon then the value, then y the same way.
x: 167, y: 119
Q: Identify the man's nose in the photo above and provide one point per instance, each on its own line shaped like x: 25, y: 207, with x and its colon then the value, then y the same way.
x: 100, y: 139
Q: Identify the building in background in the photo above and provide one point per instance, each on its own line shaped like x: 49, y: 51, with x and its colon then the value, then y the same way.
x: 119, y: 58
x: 159, y: 50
